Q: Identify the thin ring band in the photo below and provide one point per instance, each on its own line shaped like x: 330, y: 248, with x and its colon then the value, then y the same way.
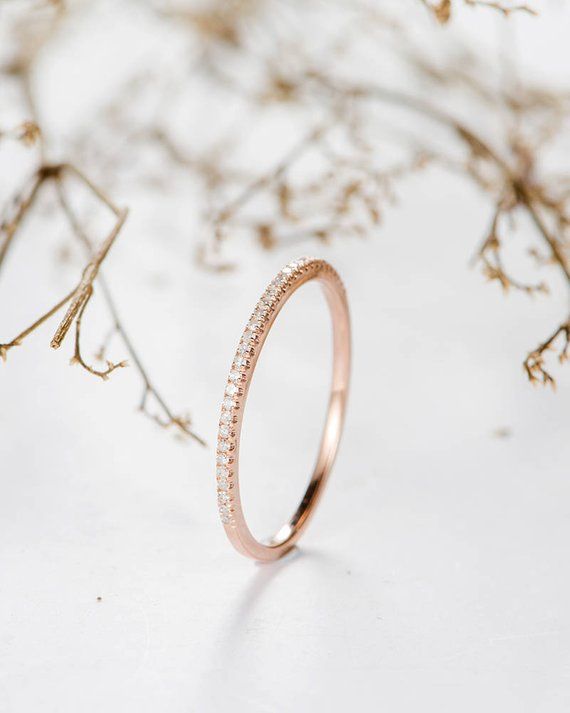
x: 288, y: 280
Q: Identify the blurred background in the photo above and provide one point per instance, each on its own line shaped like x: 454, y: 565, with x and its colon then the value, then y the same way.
x: 421, y: 149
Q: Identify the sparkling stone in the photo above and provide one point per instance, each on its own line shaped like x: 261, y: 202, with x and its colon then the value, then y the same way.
x: 231, y: 389
x: 244, y: 348
x: 225, y: 519
x: 235, y: 376
x: 223, y: 484
x: 226, y: 417
x: 241, y: 361
x: 223, y: 446
x: 228, y: 403
x: 224, y: 431
x: 221, y: 472
x: 222, y: 460
x: 223, y: 498
x: 224, y: 510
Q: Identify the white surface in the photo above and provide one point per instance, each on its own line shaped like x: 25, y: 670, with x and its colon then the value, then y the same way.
x: 433, y: 578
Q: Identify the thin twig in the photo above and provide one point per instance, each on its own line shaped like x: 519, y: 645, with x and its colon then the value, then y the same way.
x: 183, y: 424
x: 10, y: 225
x: 272, y: 176
x: 84, y: 289
x: 20, y: 338
x: 534, y: 363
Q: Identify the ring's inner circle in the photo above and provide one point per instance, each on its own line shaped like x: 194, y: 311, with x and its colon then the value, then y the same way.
x: 284, y: 416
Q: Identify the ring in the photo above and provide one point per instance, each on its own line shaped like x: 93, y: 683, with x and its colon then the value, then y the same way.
x: 288, y: 280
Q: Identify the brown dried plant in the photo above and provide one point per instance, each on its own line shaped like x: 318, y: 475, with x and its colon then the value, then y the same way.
x: 77, y: 300
x: 442, y: 9
x: 510, y: 173
x: 347, y: 196
x: 333, y: 181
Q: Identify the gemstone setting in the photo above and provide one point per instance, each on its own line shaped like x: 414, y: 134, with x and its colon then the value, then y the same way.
x: 252, y: 338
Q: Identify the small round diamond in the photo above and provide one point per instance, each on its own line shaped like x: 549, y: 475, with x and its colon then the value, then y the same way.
x: 231, y: 389
x: 228, y: 403
x: 223, y: 484
x: 226, y: 417
x: 235, y: 376
x: 222, y: 459
x: 223, y: 498
x: 224, y: 431
x: 221, y: 472
x: 223, y: 446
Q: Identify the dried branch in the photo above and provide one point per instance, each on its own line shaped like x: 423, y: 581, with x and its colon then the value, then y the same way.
x: 16, y: 342
x: 182, y: 424
x: 82, y: 293
x: 516, y: 181
x: 18, y: 211
x: 77, y: 356
x: 534, y: 364
x: 489, y: 254
x: 78, y: 298
x: 348, y: 186
x: 514, y: 185
x: 274, y: 175
x: 505, y: 10
x: 21, y: 67
x: 441, y: 9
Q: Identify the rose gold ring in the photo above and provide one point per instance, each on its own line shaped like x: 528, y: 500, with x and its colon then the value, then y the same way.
x: 289, y: 279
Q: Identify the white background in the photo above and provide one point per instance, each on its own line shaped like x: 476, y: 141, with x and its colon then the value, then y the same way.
x: 435, y: 574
